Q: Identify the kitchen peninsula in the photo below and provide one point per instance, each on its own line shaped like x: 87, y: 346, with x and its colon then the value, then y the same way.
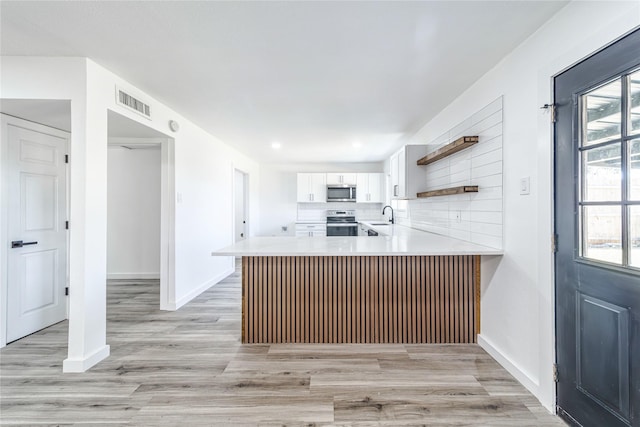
x: 403, y: 286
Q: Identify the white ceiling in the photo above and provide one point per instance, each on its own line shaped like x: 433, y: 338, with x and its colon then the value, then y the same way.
x: 57, y: 114
x: 314, y: 76
x: 48, y: 112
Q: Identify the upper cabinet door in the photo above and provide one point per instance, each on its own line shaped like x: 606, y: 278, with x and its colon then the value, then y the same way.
x: 402, y: 173
x: 398, y: 174
x: 304, y: 188
x: 369, y: 188
x: 362, y: 188
x: 407, y: 177
x: 318, y: 187
x: 376, y: 188
x: 338, y: 178
x: 312, y: 188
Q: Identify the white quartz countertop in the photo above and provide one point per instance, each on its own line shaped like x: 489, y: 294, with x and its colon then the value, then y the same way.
x: 393, y: 240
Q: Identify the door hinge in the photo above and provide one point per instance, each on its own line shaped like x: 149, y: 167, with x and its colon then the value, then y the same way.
x: 66, y: 158
x: 552, y: 109
x: 66, y: 291
x: 554, y: 243
x: 66, y: 225
x: 555, y: 372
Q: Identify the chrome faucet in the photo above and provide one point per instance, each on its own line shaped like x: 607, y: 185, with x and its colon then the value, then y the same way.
x: 391, y: 220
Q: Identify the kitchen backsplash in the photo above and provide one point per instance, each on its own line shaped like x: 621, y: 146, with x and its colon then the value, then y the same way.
x: 475, y: 217
x: 318, y: 211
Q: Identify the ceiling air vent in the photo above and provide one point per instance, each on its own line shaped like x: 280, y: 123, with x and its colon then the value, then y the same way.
x: 132, y: 103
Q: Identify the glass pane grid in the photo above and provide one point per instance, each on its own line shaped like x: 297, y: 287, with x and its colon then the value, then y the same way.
x: 601, y: 228
x: 609, y: 184
x: 602, y: 114
x: 602, y: 174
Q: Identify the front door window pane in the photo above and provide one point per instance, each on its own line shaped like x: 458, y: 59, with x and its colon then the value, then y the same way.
x: 603, y: 118
x: 602, y: 174
x: 601, y: 231
x: 634, y: 236
x: 634, y: 170
x: 634, y: 103
x: 609, y: 168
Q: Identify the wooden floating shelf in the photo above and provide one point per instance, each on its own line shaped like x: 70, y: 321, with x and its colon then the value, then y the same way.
x: 449, y: 149
x: 449, y: 191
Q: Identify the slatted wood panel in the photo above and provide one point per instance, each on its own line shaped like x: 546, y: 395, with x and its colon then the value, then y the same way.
x: 374, y: 299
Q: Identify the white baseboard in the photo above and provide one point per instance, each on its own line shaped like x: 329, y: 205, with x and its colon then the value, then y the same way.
x: 525, y: 379
x: 132, y: 276
x: 197, y: 291
x: 82, y: 365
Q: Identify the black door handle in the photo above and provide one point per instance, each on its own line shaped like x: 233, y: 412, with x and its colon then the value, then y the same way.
x: 20, y: 243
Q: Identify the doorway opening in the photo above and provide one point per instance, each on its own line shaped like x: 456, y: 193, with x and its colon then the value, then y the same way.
x: 240, y: 205
x: 139, y: 207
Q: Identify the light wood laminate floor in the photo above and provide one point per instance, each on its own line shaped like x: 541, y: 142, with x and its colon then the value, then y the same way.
x: 188, y: 368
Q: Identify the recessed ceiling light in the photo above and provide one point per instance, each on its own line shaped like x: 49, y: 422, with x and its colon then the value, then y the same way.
x: 276, y: 145
x: 357, y: 144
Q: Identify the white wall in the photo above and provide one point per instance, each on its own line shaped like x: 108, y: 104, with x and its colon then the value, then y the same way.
x: 278, y: 191
x: 203, y: 169
x: 66, y: 79
x: 517, y: 306
x: 133, y: 212
x: 202, y: 190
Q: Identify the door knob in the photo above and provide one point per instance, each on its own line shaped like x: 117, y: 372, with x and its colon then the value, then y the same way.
x: 20, y: 243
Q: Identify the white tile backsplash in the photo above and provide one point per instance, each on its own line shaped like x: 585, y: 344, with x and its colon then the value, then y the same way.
x: 318, y: 211
x: 475, y: 217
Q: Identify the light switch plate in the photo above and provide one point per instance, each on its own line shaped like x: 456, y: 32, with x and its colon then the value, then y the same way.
x: 525, y: 185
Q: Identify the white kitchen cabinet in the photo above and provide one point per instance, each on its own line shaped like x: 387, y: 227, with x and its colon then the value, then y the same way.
x: 311, y: 230
x: 407, y: 178
x: 334, y: 178
x: 369, y: 188
x: 312, y: 187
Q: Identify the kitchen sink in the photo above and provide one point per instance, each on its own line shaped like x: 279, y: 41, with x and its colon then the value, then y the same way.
x: 379, y: 223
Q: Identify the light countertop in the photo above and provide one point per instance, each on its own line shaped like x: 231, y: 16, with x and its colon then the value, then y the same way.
x: 399, y: 240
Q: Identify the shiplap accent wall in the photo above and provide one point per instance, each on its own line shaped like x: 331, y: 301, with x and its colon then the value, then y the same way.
x: 474, y: 217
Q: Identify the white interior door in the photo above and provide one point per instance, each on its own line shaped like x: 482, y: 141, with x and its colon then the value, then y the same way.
x: 37, y: 252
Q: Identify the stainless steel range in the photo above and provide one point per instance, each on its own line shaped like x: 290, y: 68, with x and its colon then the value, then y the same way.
x: 342, y: 223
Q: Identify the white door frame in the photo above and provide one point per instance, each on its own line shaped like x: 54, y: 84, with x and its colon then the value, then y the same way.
x: 5, y: 121
x: 245, y: 195
x: 167, y: 215
x: 167, y: 225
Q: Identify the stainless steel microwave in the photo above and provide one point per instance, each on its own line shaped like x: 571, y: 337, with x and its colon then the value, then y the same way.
x: 341, y: 193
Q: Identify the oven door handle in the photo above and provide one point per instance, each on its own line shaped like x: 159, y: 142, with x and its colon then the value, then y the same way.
x: 354, y: 224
